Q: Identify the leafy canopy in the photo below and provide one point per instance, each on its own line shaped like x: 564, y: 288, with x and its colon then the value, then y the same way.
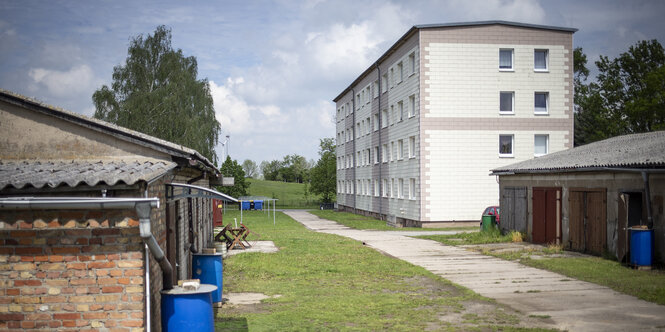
x: 231, y: 168
x: 157, y: 92
x: 324, y: 174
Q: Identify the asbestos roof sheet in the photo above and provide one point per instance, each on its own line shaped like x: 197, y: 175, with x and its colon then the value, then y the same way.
x: 39, y: 174
x: 629, y: 151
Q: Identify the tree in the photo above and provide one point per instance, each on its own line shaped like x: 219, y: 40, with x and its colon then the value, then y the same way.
x: 627, y: 97
x: 324, y: 174
x: 271, y: 169
x: 240, y: 187
x: 157, y: 92
x: 250, y: 168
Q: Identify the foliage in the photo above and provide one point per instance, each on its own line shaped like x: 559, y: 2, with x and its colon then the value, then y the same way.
x: 288, y: 195
x: 231, y: 168
x: 323, y: 282
x: 627, y: 97
x: 157, y: 92
x: 493, y: 235
x: 294, y: 168
x: 250, y: 168
x: 324, y: 174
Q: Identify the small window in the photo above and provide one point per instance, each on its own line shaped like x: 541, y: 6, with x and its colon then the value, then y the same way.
x: 376, y: 89
x: 376, y: 188
x: 412, y: 147
x: 384, y: 118
x: 400, y: 72
x: 541, y: 145
x: 384, y: 153
x: 506, y: 145
x: 506, y: 102
x: 412, y: 105
x: 400, y: 147
x: 541, y: 102
x: 506, y: 59
x: 400, y: 189
x: 540, y: 58
x: 412, y: 63
x: 385, y: 187
x: 393, y: 153
x: 400, y: 108
x: 384, y: 83
x: 376, y: 121
x: 368, y: 95
x: 392, y: 115
x: 395, y: 188
x: 376, y: 154
x: 392, y: 77
x: 412, y: 188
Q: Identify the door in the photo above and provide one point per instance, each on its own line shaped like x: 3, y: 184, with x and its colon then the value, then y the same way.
x: 588, y: 221
x: 513, y: 209
x: 546, y: 215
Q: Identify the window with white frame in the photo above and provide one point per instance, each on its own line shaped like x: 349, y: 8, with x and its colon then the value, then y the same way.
x: 384, y: 153
x: 400, y: 149
x: 384, y: 118
x: 363, y: 97
x: 506, y: 145
x: 400, y: 189
x: 376, y: 154
x: 400, y: 72
x: 385, y: 187
x: 400, y: 110
x: 540, y: 60
x: 376, y: 188
x: 392, y: 151
x: 506, y: 59
x: 540, y: 145
x: 412, y: 105
x: 392, y: 77
x: 384, y: 83
x: 412, y: 63
x: 367, y: 126
x: 412, y: 147
x: 412, y: 188
x: 358, y: 130
x: 369, y: 187
x: 362, y: 128
x: 395, y: 188
x: 348, y: 109
x: 541, y: 101
x: 506, y: 102
x: 358, y: 159
x: 358, y: 103
x: 375, y: 87
x: 376, y: 121
x: 392, y: 115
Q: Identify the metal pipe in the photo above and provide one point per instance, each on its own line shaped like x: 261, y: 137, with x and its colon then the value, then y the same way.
x: 147, y: 288
x: 143, y: 210
x: 379, y: 151
x: 353, y: 154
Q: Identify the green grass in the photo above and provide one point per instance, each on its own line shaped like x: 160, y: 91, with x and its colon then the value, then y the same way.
x: 491, y: 236
x: 356, y: 221
x: 289, y: 195
x: 327, y: 282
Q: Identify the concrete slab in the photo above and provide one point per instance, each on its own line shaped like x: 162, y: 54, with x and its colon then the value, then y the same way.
x: 572, y: 304
x: 257, y: 246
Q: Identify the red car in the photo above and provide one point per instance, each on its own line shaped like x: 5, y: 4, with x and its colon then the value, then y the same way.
x: 491, y: 211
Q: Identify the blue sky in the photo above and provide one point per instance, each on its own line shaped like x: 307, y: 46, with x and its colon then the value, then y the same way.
x: 273, y: 66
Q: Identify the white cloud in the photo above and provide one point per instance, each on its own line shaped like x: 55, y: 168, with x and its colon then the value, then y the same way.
x: 528, y: 11
x: 64, y: 83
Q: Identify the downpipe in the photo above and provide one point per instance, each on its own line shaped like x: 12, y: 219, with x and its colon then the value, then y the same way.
x: 143, y: 210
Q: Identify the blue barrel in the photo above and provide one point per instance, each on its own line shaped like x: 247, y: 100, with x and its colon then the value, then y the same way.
x: 209, y: 269
x: 246, y: 205
x: 258, y: 205
x: 640, y: 246
x: 188, y: 310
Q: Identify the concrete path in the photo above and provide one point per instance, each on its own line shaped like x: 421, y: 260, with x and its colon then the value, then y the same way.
x: 572, y: 304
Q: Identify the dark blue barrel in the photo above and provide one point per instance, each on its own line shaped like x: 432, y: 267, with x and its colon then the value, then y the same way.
x: 258, y: 205
x: 209, y: 269
x: 246, y: 205
x: 640, y: 246
x: 188, y: 310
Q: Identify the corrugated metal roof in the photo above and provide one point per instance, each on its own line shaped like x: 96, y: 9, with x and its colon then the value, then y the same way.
x: 20, y: 174
x: 629, y: 151
x: 106, y: 127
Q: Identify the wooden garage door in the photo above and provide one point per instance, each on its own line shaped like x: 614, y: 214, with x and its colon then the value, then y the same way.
x: 546, y: 215
x: 588, y: 222
x: 513, y: 209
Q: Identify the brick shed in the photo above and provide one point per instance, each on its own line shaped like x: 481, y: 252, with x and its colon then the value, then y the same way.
x: 86, y: 210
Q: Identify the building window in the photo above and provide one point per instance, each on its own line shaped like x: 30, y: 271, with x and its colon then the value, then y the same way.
x: 392, y: 151
x: 358, y: 160
x: 506, y: 145
x: 541, y: 145
x: 540, y: 58
x: 392, y: 77
x: 368, y: 94
x: 376, y: 89
x: 384, y: 83
x: 400, y: 72
x: 400, y: 189
x: 376, y: 121
x: 506, y: 59
x: 385, y: 187
x: 358, y: 100
x: 394, y: 191
x: 412, y: 105
x: 384, y: 153
x: 400, y: 109
x: 507, y: 100
x: 412, y: 188
x: 376, y: 188
x: 392, y: 115
x: 376, y: 154
x: 412, y: 63
x: 412, y: 147
x: 384, y: 118
x: 400, y: 148
x: 540, y: 102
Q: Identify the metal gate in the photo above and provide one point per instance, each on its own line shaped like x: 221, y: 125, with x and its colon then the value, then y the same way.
x: 546, y: 215
x: 513, y: 209
x: 588, y: 222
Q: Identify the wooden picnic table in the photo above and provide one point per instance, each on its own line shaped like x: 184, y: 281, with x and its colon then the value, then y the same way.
x: 234, y: 237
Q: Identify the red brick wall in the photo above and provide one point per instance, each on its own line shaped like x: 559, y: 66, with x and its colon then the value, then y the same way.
x: 71, y: 271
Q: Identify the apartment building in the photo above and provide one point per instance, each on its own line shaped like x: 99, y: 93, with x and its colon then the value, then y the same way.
x: 419, y: 131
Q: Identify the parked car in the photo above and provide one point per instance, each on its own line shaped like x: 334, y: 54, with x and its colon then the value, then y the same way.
x: 491, y: 211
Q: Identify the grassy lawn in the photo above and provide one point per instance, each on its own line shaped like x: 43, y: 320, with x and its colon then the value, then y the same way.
x: 289, y: 195
x: 646, y: 285
x: 361, y: 222
x: 327, y: 282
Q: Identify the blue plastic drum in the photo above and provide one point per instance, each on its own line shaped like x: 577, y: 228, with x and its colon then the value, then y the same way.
x: 188, y: 310
x: 209, y: 269
x: 640, y: 246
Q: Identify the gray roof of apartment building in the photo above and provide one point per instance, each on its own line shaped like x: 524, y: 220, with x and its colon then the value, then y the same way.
x: 40, y: 174
x: 645, y: 150
x: 135, y: 137
x: 415, y: 28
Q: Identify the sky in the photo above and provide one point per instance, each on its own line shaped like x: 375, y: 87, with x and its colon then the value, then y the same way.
x: 273, y: 66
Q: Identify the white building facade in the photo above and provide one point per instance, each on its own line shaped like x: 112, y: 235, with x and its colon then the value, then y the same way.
x: 418, y: 131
